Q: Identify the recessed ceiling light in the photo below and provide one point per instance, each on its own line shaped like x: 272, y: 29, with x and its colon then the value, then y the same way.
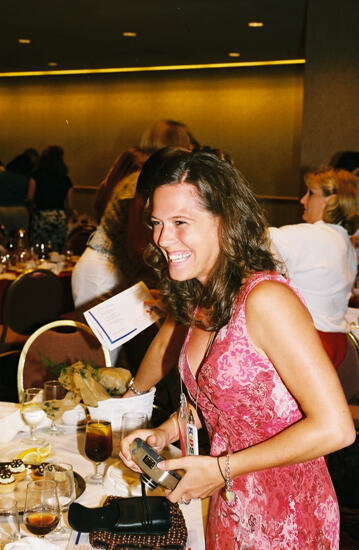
x: 255, y: 24
x: 52, y: 64
x: 24, y: 41
x: 234, y: 54
x: 129, y: 34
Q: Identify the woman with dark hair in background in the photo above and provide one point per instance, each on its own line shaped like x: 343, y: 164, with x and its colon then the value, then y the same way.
x: 105, y: 264
x: 253, y: 365
x: 25, y: 163
x: 346, y: 160
x: 130, y: 161
x: 53, y: 192
x: 17, y: 190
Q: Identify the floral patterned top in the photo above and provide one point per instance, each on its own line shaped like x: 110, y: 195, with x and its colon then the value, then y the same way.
x: 244, y: 402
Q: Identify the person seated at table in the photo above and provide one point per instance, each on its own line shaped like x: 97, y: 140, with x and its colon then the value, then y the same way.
x: 253, y: 365
x: 101, y: 267
x: 24, y: 163
x: 320, y: 259
x: 125, y: 164
x: 345, y: 160
x: 17, y: 190
x: 53, y: 196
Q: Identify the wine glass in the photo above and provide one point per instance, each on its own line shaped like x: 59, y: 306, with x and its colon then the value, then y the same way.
x: 98, y: 446
x: 54, y: 393
x: 63, y: 475
x: 33, y: 413
x: 9, y: 520
x: 42, y: 509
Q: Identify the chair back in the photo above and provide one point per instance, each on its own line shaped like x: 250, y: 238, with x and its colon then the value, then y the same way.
x: 348, y: 370
x: 60, y: 342
x: 31, y: 300
x: 77, y: 240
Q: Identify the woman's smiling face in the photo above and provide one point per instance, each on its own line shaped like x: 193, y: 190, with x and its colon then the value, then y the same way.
x: 186, y: 233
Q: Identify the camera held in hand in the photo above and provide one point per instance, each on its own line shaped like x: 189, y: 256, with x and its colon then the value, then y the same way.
x: 147, y: 459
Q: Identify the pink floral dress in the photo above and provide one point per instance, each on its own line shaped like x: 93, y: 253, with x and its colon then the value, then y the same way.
x: 244, y: 402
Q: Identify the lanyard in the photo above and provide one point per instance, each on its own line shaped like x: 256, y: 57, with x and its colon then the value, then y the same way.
x: 183, y: 400
x: 188, y: 432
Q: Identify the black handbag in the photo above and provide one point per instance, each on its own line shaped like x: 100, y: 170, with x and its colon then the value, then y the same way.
x: 127, y: 523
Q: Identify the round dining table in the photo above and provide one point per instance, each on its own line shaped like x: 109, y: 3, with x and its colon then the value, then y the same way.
x: 118, y: 480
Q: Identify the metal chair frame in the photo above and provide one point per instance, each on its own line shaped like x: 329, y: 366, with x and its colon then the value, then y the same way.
x: 41, y: 330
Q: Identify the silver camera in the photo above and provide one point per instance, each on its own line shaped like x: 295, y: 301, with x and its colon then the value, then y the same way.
x: 147, y: 459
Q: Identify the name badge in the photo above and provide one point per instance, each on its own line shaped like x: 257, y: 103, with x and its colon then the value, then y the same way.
x: 192, y: 437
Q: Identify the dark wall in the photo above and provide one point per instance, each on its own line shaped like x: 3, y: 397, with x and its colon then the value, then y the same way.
x: 331, y: 82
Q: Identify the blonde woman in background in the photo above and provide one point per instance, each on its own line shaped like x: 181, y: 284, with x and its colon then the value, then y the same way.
x: 319, y: 256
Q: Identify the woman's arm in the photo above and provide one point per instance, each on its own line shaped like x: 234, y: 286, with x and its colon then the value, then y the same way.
x: 281, y: 328
x: 31, y: 190
x: 160, y: 357
x: 68, y: 200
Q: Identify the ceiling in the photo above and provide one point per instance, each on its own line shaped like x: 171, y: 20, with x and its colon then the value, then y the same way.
x: 87, y: 34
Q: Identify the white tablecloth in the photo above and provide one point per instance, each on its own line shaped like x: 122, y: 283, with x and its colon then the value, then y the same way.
x: 69, y: 447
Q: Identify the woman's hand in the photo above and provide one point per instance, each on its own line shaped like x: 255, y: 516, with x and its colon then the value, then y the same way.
x: 201, y: 479
x: 156, y: 438
x: 156, y: 304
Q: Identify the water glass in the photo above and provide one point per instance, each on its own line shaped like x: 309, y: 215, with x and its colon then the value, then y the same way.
x: 9, y: 521
x: 54, y: 394
x: 132, y: 421
x: 32, y: 413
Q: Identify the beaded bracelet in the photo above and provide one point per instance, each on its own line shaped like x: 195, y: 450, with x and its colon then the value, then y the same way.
x: 229, y: 494
x: 220, y: 469
x: 136, y: 392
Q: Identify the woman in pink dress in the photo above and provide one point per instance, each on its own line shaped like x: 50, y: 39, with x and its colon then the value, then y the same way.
x: 272, y: 407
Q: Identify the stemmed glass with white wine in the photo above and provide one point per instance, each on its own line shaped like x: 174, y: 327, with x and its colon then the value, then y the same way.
x: 63, y: 474
x: 54, y: 394
x: 33, y: 413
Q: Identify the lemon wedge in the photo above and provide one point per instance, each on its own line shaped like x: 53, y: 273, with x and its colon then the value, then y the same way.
x: 35, y: 455
x: 44, y: 452
x: 29, y: 456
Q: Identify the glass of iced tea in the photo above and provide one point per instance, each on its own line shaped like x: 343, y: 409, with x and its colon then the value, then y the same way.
x: 42, y: 509
x: 98, y: 446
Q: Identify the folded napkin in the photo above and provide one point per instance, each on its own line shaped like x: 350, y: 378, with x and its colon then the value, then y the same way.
x: 55, y: 267
x: 121, y: 481
x: 11, y: 421
x: 31, y: 543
